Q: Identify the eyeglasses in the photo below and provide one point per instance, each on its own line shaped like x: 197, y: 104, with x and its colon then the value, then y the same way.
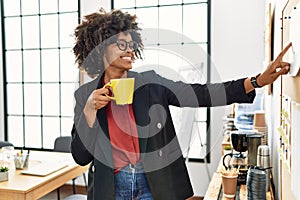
x: 123, y: 45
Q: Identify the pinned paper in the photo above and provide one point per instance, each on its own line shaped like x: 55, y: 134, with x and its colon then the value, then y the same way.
x: 281, y: 133
x: 294, y: 52
x: 295, y: 162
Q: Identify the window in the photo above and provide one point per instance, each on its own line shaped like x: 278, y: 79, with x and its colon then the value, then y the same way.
x: 39, y: 70
x: 176, y: 35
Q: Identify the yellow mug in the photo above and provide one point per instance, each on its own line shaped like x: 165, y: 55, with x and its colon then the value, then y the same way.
x: 122, y: 90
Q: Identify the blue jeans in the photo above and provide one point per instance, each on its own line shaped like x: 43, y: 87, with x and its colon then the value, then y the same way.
x: 131, y: 184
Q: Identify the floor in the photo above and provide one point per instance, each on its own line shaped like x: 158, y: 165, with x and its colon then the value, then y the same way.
x: 65, y: 191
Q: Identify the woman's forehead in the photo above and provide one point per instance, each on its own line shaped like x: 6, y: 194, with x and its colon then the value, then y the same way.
x: 125, y: 36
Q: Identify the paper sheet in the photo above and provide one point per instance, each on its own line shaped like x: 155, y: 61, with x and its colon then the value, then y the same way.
x: 294, y: 52
x: 295, y: 172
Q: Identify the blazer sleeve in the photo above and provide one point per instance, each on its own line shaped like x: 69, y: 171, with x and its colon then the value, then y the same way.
x: 83, y: 136
x: 203, y: 95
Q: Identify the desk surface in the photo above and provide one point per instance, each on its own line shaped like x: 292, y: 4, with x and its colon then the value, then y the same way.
x: 20, y: 186
x: 215, y: 188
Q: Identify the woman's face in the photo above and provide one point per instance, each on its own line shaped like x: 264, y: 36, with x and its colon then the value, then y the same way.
x: 120, y: 54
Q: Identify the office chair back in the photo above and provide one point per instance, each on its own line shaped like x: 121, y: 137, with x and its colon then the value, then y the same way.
x: 76, y: 197
x: 5, y: 144
x: 63, y: 144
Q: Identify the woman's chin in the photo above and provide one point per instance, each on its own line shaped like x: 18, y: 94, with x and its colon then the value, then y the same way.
x: 127, y: 67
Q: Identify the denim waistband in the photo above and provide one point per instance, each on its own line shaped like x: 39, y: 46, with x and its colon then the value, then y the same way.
x: 138, y: 167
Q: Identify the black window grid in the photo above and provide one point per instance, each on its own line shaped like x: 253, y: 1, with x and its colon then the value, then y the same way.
x: 60, y: 83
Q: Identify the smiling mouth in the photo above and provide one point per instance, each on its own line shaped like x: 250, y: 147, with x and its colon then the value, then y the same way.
x: 127, y: 58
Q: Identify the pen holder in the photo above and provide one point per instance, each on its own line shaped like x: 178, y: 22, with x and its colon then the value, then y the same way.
x: 21, y: 161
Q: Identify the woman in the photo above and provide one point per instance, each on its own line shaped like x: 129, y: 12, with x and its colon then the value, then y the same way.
x: 133, y: 149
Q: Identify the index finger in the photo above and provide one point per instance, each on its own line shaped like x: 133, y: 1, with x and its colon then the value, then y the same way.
x: 280, y: 56
x: 103, y: 90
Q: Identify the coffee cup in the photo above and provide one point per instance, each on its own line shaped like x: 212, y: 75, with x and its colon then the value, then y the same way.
x: 122, y: 90
x: 259, y: 119
x: 229, y: 184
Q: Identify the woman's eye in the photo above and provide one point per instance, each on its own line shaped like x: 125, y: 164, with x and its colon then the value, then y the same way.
x: 133, y: 45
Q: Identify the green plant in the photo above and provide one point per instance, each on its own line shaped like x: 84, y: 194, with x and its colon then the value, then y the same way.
x: 227, y: 148
x: 3, y: 169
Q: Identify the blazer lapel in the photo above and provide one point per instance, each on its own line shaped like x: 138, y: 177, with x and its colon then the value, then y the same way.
x: 141, y: 109
x: 104, y: 143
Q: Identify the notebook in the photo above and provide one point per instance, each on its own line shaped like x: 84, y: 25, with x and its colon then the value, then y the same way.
x: 44, y: 169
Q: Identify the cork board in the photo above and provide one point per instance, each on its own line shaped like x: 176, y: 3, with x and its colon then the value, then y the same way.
x: 291, y: 84
x: 291, y: 89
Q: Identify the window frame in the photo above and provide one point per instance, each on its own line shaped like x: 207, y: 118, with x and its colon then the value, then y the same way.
x: 59, y: 83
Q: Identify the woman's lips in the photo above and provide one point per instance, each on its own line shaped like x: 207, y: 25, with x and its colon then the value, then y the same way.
x: 126, y: 58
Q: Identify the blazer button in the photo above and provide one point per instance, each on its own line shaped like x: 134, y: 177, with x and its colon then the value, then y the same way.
x: 158, y: 125
x: 93, y: 168
x: 160, y: 153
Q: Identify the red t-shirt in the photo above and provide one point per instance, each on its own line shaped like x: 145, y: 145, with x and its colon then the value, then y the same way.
x: 123, y: 135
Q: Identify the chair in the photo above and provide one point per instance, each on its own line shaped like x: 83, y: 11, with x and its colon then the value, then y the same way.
x: 63, y: 144
x: 76, y: 197
x: 4, y: 144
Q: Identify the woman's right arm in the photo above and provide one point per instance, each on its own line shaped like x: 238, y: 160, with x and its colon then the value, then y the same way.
x: 86, y: 127
x: 96, y: 101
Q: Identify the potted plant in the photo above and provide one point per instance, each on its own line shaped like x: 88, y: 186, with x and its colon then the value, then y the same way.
x: 3, y: 173
x: 227, y: 149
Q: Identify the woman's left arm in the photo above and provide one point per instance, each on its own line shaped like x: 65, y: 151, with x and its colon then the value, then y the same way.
x: 273, y: 71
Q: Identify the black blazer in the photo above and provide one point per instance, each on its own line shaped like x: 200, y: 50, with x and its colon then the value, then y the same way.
x: 161, y: 155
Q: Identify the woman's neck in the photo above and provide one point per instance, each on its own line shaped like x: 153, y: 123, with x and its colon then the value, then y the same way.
x: 114, y: 74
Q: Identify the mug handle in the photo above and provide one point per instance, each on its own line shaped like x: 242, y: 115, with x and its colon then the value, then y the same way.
x: 226, y: 166
x: 108, y: 85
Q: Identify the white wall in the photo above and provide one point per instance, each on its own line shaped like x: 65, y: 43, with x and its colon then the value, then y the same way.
x: 238, y: 37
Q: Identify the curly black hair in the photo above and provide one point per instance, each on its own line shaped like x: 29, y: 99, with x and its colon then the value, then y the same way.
x: 96, y: 31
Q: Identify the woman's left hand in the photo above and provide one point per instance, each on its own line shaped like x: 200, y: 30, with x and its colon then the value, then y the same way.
x: 275, y: 69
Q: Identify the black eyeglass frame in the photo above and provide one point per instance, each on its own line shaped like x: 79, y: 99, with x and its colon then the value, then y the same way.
x: 123, y: 45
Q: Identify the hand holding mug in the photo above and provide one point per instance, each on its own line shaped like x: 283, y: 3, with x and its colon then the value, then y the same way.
x: 122, y: 90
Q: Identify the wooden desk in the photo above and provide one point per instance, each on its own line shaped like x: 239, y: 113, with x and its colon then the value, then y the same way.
x: 21, y: 187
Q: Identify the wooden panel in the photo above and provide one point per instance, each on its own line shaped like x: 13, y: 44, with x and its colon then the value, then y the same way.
x: 290, y: 85
x: 268, y: 38
x: 286, y: 185
x: 291, y: 88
